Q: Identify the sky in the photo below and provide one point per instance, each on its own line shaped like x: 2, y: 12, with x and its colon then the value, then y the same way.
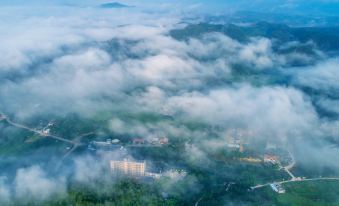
x: 297, y: 7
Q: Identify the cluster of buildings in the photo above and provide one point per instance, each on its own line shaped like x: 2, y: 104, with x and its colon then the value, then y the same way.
x: 109, y: 144
x: 236, y: 138
x: 140, y: 169
x: 277, y: 155
x: 125, y: 166
x: 175, y: 173
x: 152, y: 141
x: 276, y: 187
x: 273, y: 154
x: 271, y: 159
x: 46, y: 130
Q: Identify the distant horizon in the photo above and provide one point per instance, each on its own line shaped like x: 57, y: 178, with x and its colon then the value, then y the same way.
x: 296, y: 7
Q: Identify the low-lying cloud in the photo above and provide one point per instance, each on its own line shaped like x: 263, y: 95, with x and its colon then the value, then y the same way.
x: 86, y: 61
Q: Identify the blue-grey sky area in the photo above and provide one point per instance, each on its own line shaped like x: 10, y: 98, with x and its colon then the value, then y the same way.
x: 299, y: 7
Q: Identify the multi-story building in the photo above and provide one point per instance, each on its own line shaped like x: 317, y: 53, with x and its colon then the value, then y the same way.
x: 126, y: 167
x: 237, y: 138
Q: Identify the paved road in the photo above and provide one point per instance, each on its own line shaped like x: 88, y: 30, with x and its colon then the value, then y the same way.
x: 75, y: 143
x: 289, y: 173
x: 292, y: 164
x: 197, y: 202
x: 295, y: 180
x: 37, y: 132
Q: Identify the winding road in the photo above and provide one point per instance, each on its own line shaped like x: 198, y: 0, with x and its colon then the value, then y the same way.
x: 75, y: 143
x: 290, y: 166
x: 295, y: 180
x: 37, y: 131
x: 197, y: 202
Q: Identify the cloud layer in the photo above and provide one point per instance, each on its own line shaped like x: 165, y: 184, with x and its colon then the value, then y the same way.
x: 85, y: 61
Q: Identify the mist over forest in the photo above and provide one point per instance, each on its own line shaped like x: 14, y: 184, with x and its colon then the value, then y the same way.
x: 202, y: 93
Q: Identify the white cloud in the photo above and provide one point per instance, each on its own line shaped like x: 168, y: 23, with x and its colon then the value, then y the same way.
x: 323, y: 76
x: 258, y: 53
x: 33, y: 183
x: 278, y: 111
x: 5, y: 195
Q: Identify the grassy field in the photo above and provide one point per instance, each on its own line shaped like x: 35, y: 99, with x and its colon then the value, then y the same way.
x: 318, y: 193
